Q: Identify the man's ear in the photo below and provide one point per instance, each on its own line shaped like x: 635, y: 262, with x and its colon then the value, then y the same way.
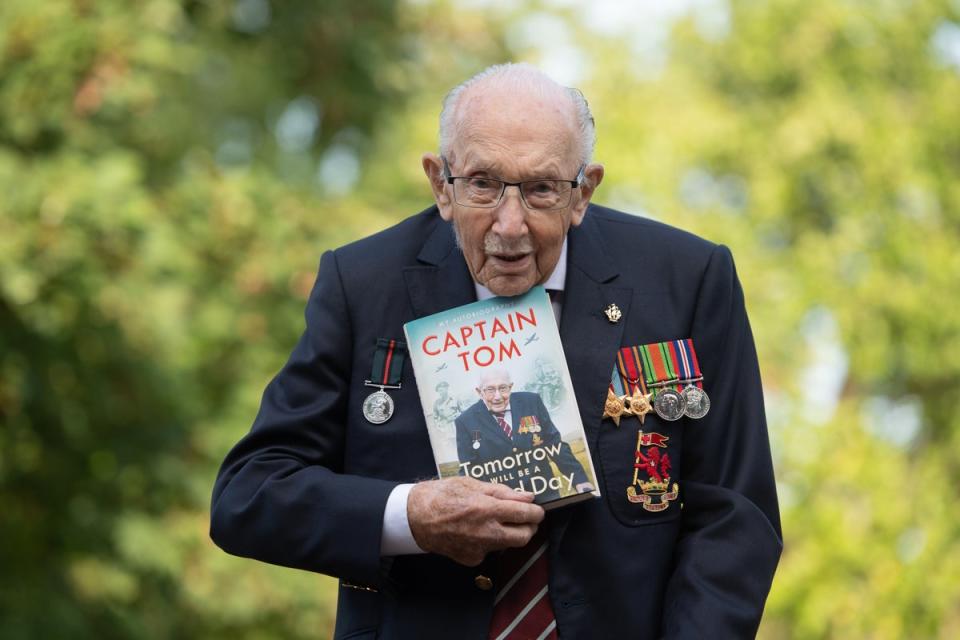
x: 592, y: 177
x: 433, y: 167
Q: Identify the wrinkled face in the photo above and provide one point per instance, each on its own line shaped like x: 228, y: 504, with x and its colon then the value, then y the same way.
x: 494, y: 390
x: 510, y: 248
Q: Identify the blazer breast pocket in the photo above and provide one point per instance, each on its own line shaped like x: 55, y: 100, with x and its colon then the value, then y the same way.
x: 640, y: 467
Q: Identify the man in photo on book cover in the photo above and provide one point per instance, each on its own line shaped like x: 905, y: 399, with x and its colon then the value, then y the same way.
x: 682, y: 550
x: 446, y: 408
x: 495, y: 434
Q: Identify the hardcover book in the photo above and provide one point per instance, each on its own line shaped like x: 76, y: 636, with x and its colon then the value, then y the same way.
x: 498, y: 399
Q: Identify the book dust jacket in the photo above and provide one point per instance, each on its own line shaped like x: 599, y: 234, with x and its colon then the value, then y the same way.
x: 498, y: 400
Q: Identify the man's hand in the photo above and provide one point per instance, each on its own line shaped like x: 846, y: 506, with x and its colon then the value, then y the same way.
x: 464, y: 519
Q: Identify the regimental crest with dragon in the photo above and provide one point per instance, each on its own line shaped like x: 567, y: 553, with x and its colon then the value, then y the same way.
x: 651, y: 473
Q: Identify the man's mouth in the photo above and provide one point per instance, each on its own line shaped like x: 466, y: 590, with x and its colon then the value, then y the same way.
x: 508, y: 257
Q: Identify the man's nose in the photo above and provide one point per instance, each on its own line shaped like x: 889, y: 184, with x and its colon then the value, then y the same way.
x: 511, y: 214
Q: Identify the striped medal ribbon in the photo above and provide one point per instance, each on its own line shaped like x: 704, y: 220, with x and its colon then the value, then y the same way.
x: 628, y: 382
x: 696, y: 403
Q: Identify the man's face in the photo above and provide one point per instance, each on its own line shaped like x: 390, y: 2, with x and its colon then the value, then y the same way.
x: 510, y: 248
x: 495, y: 390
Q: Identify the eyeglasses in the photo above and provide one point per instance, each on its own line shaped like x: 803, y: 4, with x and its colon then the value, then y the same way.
x: 485, y: 193
x: 504, y: 389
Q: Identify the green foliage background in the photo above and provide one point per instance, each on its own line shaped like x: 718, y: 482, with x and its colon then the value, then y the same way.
x: 171, y: 171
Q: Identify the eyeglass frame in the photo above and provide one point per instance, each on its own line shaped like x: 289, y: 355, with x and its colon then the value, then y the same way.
x: 494, y: 390
x: 574, y: 184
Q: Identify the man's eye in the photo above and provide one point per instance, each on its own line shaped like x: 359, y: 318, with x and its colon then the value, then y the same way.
x: 542, y: 187
x: 481, y: 184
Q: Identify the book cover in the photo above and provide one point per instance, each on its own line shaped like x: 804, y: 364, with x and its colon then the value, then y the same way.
x: 498, y: 399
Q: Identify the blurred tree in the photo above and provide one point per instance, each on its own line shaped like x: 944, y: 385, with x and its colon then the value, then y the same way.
x: 156, y: 160
x: 821, y: 141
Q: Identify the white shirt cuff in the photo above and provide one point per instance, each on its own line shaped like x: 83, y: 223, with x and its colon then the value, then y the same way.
x: 397, y: 539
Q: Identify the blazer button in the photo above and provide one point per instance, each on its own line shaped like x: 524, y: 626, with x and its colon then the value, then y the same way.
x: 483, y: 583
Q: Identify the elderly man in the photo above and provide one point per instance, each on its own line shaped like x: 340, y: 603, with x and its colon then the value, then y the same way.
x: 319, y: 485
x: 503, y: 422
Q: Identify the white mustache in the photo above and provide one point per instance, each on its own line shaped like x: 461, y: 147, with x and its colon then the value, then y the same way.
x: 494, y: 244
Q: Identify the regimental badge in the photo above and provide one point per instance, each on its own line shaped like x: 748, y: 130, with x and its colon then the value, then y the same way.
x: 651, y: 473
x: 385, y: 374
x: 537, y: 440
x: 613, y: 313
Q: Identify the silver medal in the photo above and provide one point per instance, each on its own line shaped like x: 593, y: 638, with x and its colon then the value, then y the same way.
x: 378, y: 407
x: 696, y: 403
x: 669, y: 404
x: 476, y: 444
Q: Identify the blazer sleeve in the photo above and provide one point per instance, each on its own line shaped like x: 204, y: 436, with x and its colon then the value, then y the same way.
x: 730, y: 531
x: 565, y: 460
x: 281, y: 495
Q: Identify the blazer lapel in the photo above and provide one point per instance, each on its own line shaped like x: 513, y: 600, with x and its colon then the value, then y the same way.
x: 441, y: 281
x: 590, y: 340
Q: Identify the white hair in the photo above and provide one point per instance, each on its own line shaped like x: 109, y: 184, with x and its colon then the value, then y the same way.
x: 520, y: 76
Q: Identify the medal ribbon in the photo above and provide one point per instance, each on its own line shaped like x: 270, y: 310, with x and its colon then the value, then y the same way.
x: 658, y: 364
x: 627, y: 374
x: 685, y: 359
x: 388, y: 362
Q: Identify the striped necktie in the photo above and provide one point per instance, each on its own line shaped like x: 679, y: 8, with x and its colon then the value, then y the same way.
x: 521, y: 609
x: 507, y: 429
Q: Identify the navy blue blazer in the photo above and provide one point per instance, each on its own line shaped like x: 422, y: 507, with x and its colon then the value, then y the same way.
x: 307, y: 487
x: 480, y: 439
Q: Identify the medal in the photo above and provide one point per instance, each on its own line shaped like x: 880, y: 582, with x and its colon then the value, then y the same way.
x: 669, y: 404
x: 378, y: 407
x: 613, y: 407
x: 476, y: 440
x: 638, y: 404
x: 696, y: 403
x: 385, y: 374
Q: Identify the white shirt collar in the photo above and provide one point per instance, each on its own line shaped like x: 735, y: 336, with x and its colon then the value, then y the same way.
x: 554, y: 282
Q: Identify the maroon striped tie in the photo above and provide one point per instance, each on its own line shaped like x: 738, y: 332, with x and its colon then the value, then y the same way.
x: 521, y: 609
x: 507, y: 429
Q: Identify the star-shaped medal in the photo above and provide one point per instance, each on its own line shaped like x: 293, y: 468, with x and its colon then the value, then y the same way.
x: 613, y: 407
x: 638, y: 404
